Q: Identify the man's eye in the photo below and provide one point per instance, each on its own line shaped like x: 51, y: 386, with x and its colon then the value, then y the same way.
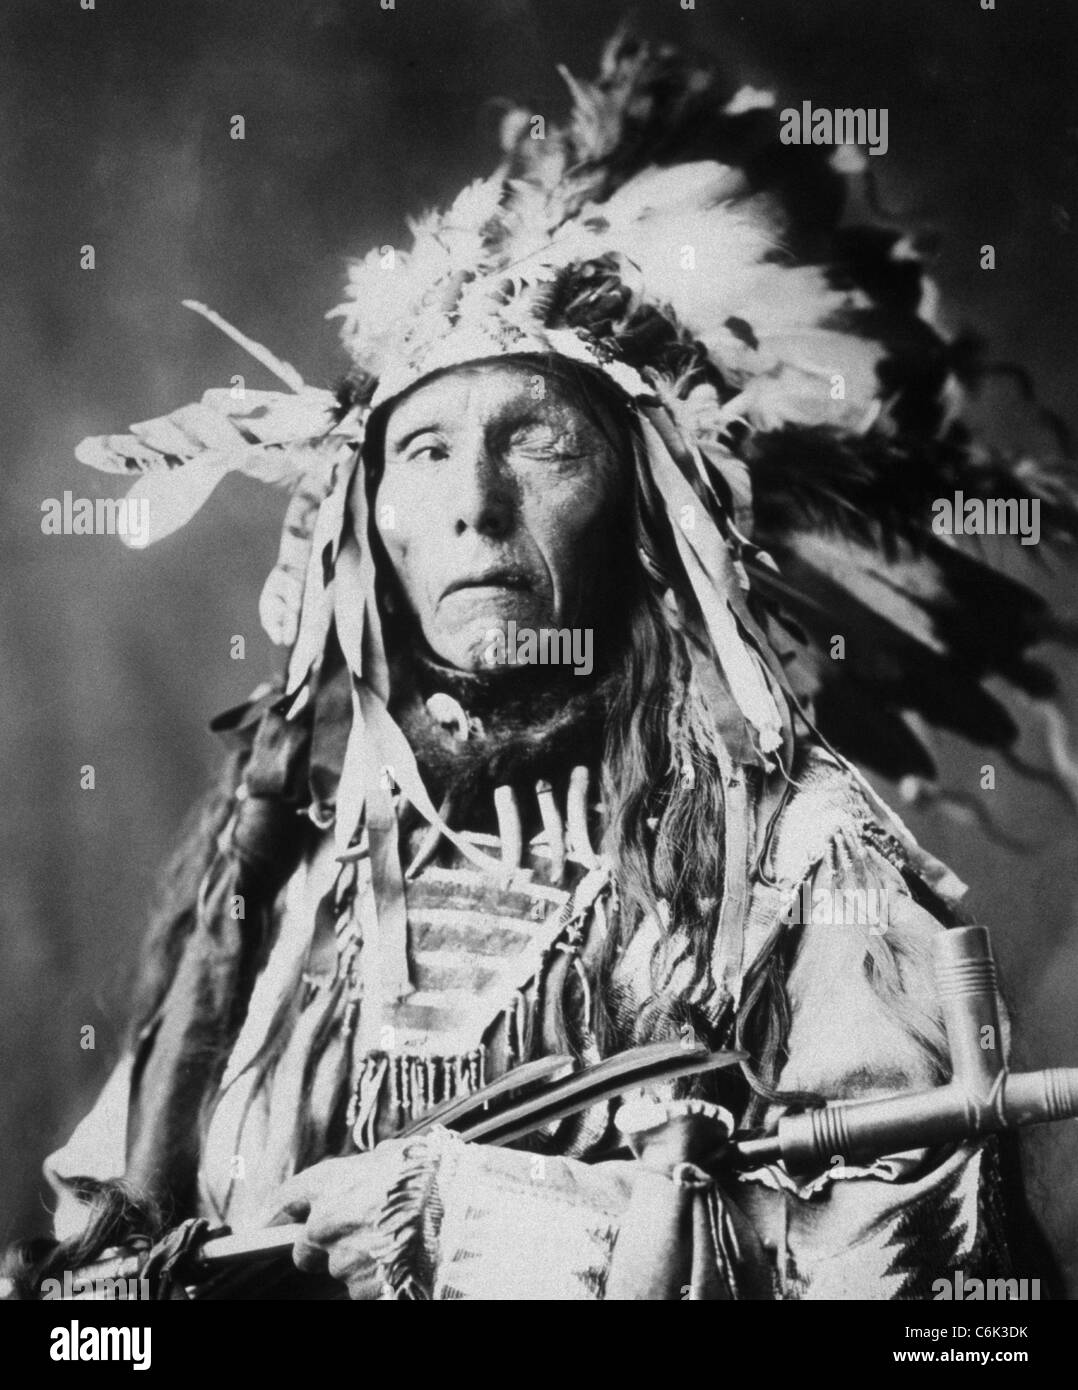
x: 428, y: 451
x: 545, y: 445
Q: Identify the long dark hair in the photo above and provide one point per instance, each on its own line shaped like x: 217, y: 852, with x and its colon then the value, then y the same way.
x: 662, y: 829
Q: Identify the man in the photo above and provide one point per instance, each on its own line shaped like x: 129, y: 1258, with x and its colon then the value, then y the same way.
x: 595, y: 401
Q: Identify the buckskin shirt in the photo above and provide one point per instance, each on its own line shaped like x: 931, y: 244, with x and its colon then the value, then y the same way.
x: 506, y: 1224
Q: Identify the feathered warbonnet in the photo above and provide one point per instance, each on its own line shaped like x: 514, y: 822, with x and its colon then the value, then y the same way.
x: 796, y: 405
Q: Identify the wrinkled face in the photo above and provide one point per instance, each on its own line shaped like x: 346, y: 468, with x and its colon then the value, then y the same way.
x: 496, y: 502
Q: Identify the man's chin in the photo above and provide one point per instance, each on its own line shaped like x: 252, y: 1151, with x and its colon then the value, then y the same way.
x: 480, y: 657
x: 481, y: 647
x: 474, y: 634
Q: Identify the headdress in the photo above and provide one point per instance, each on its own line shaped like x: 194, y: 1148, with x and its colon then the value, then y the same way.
x: 797, y: 403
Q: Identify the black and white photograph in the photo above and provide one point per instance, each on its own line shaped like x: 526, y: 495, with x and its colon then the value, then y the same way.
x: 540, y: 725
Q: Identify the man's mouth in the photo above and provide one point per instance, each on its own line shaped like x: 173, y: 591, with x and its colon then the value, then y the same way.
x: 503, y: 578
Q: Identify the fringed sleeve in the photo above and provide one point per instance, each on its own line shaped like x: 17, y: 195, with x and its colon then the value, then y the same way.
x: 864, y: 1022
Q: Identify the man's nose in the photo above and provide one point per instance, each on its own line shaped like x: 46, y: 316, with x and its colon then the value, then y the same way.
x: 484, y: 498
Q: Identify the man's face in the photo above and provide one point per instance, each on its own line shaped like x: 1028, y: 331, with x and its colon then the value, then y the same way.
x: 495, y: 503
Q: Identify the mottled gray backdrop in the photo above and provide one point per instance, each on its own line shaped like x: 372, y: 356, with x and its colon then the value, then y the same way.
x: 115, y: 133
